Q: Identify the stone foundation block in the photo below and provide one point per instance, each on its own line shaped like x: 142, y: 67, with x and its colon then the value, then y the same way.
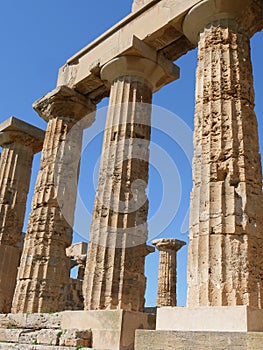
x: 12, y: 346
x: 210, y: 319
x: 30, y: 321
x: 167, y: 340
x: 10, y: 335
x: 111, y: 329
x: 49, y: 336
x: 74, y: 337
x: 28, y: 337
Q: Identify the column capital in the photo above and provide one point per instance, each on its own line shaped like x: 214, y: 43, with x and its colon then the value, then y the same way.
x: 64, y: 102
x: 246, y: 13
x: 157, y: 74
x: 14, y: 130
x: 164, y: 244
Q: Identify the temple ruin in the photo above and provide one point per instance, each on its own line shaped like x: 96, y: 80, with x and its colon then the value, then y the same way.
x: 104, y: 307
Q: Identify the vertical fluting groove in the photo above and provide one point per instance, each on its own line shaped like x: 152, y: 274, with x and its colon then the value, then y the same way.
x: 117, y: 119
x: 99, y: 202
x: 15, y: 171
x: 112, y: 239
x: 127, y: 171
x: 118, y: 258
x: 216, y: 125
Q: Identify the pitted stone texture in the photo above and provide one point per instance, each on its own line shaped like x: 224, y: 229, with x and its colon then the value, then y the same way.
x: 12, y: 346
x: 168, y: 248
x: 19, y: 142
x: 75, y: 337
x: 115, y: 265
x: 74, y: 296
x: 114, y: 275
x: 111, y: 329
x: 13, y: 129
x: 49, y: 336
x: 225, y: 263
x: 10, y: 335
x: 247, y: 13
x: 77, y: 253
x: 160, y: 340
x: 30, y: 336
x: 31, y: 321
x: 67, y: 103
x: 44, y: 273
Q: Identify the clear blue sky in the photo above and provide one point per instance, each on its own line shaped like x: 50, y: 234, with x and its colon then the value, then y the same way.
x: 37, y: 37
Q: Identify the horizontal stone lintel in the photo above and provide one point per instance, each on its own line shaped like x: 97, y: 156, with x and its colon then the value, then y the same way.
x: 157, y: 26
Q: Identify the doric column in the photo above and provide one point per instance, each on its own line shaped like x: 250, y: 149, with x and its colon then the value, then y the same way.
x: 226, y: 224
x: 168, y: 248
x: 44, y: 273
x: 19, y: 142
x: 114, y: 277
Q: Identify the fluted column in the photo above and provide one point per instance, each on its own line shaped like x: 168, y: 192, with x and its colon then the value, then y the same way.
x: 44, y: 273
x: 226, y: 224
x: 19, y: 142
x: 114, y: 276
x: 168, y: 248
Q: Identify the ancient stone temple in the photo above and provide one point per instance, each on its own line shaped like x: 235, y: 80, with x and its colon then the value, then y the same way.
x: 129, y: 64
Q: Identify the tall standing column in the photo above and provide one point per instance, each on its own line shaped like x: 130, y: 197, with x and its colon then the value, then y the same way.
x: 44, y: 273
x: 226, y: 224
x: 168, y: 248
x: 114, y: 276
x: 19, y: 142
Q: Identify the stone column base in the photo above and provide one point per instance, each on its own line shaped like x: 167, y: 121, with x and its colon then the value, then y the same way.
x: 210, y: 319
x: 164, y: 340
x: 111, y: 329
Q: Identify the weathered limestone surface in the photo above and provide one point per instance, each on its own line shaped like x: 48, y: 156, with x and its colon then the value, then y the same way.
x: 168, y: 248
x: 31, y: 321
x: 111, y: 329
x: 164, y: 340
x: 138, y: 4
x: 158, y: 28
x: 13, y: 346
x: 41, y: 329
x: 210, y: 319
x: 44, y: 273
x: 225, y: 263
x: 75, y: 337
x: 114, y: 276
x: 19, y: 142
